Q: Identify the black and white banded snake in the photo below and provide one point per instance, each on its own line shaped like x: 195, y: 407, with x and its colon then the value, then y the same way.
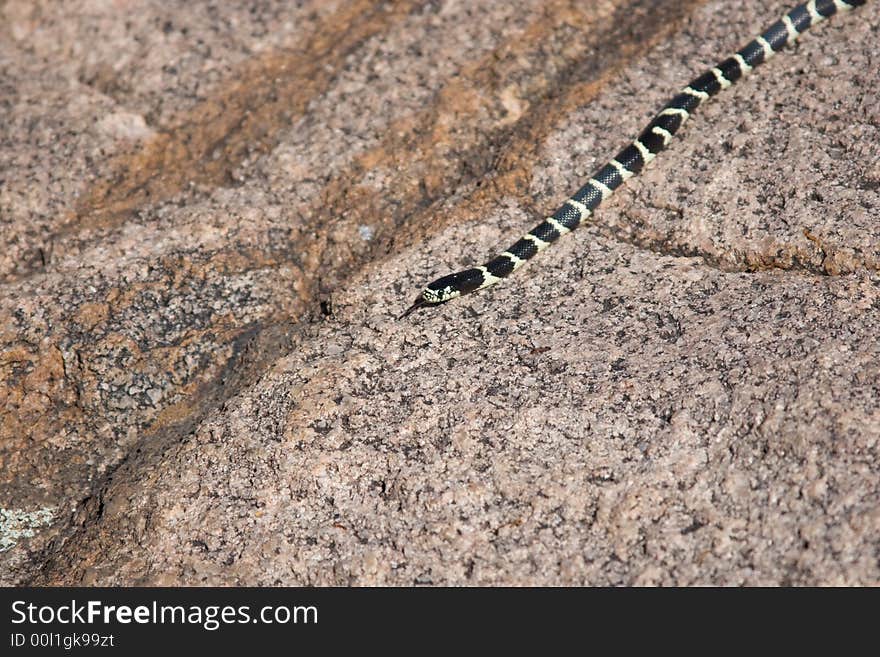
x: 632, y: 159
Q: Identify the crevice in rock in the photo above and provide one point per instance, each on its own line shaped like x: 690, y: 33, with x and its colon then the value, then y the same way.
x: 815, y: 257
x: 254, y: 352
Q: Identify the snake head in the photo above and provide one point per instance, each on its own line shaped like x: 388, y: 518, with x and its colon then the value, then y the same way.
x: 453, y: 285
x: 446, y: 288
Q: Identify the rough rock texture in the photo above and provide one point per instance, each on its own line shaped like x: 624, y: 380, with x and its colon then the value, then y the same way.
x: 212, y: 214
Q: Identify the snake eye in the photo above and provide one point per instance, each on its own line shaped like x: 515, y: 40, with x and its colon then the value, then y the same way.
x: 432, y: 296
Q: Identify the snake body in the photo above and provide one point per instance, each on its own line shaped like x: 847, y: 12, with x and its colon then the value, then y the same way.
x: 635, y: 157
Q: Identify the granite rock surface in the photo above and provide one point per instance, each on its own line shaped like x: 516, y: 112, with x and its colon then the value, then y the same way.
x: 212, y: 216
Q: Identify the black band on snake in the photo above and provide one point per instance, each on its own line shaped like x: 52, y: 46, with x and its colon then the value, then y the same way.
x: 635, y: 157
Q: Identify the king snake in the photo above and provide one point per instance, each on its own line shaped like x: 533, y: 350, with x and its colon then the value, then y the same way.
x: 635, y: 157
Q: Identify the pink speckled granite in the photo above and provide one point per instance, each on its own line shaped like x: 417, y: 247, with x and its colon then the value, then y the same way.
x: 211, y: 218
